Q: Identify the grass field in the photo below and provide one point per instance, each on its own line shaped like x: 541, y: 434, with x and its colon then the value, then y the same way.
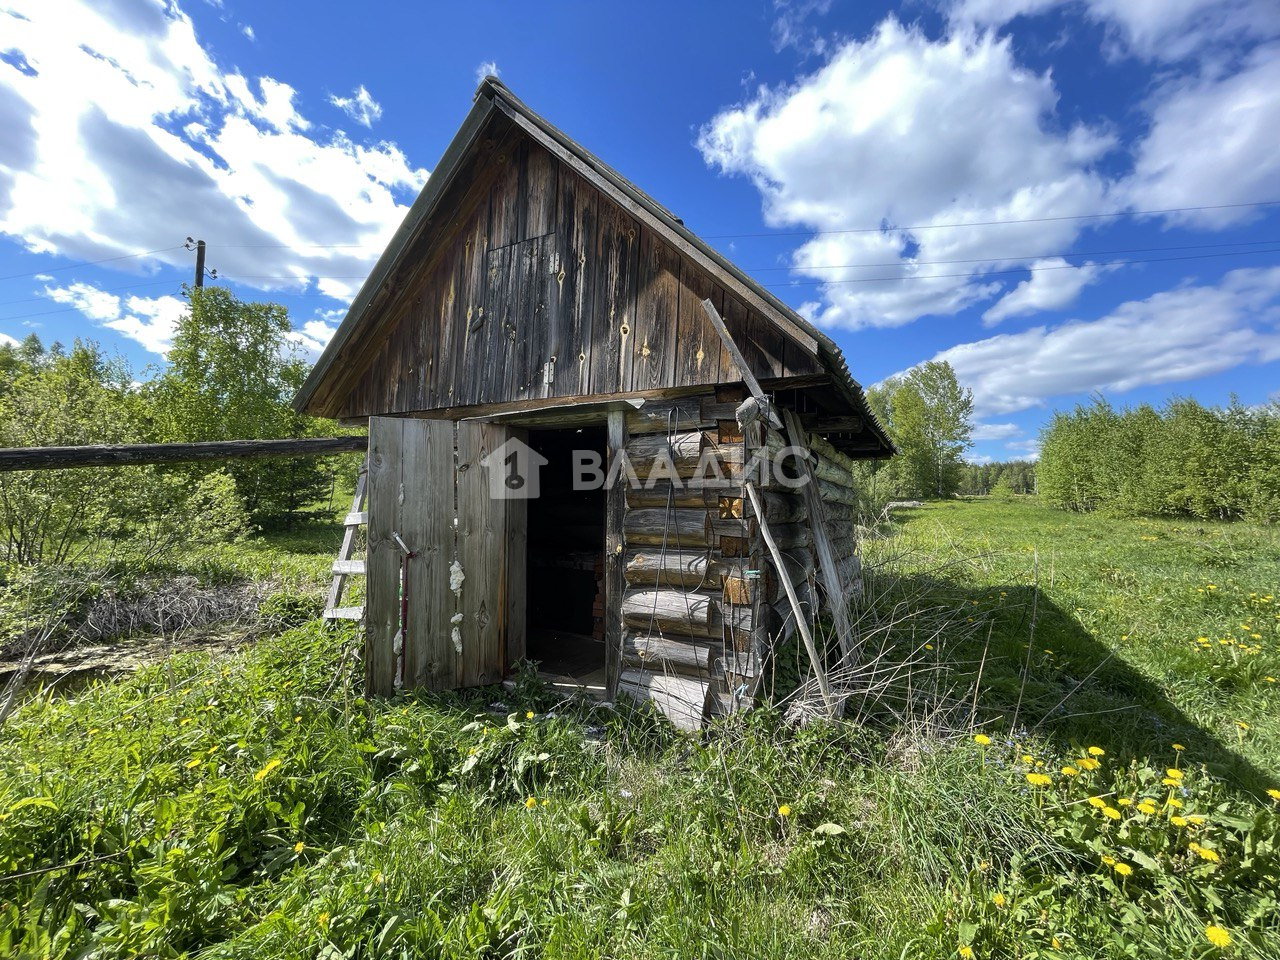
x: 1076, y: 765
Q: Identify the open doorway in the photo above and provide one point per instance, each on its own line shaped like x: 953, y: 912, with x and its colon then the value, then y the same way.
x: 565, y: 562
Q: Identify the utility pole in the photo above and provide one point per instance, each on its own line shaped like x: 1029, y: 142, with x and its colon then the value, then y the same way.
x: 199, y: 264
x: 198, y: 247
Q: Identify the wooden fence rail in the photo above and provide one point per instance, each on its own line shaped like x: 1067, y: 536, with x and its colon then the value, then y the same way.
x: 135, y: 454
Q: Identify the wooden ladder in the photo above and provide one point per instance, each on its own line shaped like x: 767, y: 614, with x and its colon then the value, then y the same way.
x: 345, y: 566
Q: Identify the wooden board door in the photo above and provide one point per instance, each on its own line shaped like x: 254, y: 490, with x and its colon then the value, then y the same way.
x: 429, y: 482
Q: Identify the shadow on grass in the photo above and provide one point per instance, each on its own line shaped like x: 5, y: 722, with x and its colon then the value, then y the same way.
x: 1037, y: 670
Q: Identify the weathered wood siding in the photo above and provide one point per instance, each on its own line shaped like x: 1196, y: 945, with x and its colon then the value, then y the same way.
x: 543, y: 288
x: 445, y: 514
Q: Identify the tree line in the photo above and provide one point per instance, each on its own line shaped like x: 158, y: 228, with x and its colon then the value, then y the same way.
x: 999, y: 479
x: 1183, y: 459
x: 231, y: 374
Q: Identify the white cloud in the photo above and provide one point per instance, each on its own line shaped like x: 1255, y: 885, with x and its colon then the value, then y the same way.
x: 1175, y: 335
x: 487, y: 69
x: 1212, y: 141
x: 1053, y: 285
x: 912, y: 133
x: 995, y: 431
x: 7, y: 341
x: 315, y: 335
x: 791, y: 27
x: 248, y: 31
x: 1153, y: 29
x: 151, y: 321
x: 189, y: 146
x: 360, y: 106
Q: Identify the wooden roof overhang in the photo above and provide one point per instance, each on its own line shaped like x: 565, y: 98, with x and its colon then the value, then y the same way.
x: 494, y: 112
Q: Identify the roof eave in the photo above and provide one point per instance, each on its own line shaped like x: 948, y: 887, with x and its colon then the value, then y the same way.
x: 419, y: 213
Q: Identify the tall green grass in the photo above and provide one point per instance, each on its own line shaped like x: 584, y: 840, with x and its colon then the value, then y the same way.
x: 257, y: 805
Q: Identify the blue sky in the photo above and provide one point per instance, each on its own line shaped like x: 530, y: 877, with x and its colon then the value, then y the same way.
x: 1060, y: 198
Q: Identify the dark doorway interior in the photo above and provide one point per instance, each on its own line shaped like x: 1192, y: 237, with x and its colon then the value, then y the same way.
x: 565, y: 560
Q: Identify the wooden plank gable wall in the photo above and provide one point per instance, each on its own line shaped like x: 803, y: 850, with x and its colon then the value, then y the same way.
x: 548, y: 289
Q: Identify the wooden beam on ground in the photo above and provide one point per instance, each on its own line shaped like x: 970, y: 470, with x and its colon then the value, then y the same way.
x: 138, y: 454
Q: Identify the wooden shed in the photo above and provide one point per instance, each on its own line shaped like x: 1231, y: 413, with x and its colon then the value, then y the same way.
x: 561, y: 464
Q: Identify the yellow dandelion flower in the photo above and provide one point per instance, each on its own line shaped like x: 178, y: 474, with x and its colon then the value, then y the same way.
x: 1217, y: 936
x: 1169, y: 782
x: 1123, y: 869
x: 1178, y: 821
x: 1196, y: 820
x: 528, y: 715
x: 1125, y: 802
x: 1070, y: 771
x: 1039, y: 779
x: 1097, y: 752
x: 1109, y: 861
x: 194, y: 762
x: 1028, y: 758
x: 1242, y: 725
x: 1204, y: 853
x: 999, y: 900
x: 530, y: 803
x: 299, y: 847
x: 323, y: 920
x: 1088, y: 763
x: 784, y: 811
x: 1111, y: 813
x: 1274, y: 795
x: 1269, y: 679
x: 1147, y: 807
x: 266, y: 771
x: 1174, y: 802
x: 966, y: 952
x: 1174, y: 773
x: 1097, y: 802
x: 981, y: 739
x: 378, y: 878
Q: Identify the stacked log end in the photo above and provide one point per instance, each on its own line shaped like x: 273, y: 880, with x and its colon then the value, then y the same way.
x: 704, y: 605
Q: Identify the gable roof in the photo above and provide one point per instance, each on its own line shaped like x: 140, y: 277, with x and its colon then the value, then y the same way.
x: 492, y: 97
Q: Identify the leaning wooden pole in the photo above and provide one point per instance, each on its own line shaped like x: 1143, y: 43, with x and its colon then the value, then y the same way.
x: 138, y: 454
x: 802, y: 623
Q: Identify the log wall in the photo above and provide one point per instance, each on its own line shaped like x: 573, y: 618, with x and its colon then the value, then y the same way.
x: 704, y: 606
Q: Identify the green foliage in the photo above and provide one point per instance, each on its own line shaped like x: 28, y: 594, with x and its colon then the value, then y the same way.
x: 54, y: 398
x: 231, y: 376
x: 1182, y: 460
x: 256, y: 805
x: 930, y: 420
x: 1014, y: 477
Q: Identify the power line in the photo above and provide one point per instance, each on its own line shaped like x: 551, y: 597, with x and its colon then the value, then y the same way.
x: 1019, y: 270
x: 129, y: 286
x: 1039, y: 256
x: 89, y: 263
x: 992, y: 223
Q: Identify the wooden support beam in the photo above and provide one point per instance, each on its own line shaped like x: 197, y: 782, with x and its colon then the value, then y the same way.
x: 137, y: 454
x: 739, y: 360
x: 615, y: 582
x: 819, y: 668
x: 822, y: 545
